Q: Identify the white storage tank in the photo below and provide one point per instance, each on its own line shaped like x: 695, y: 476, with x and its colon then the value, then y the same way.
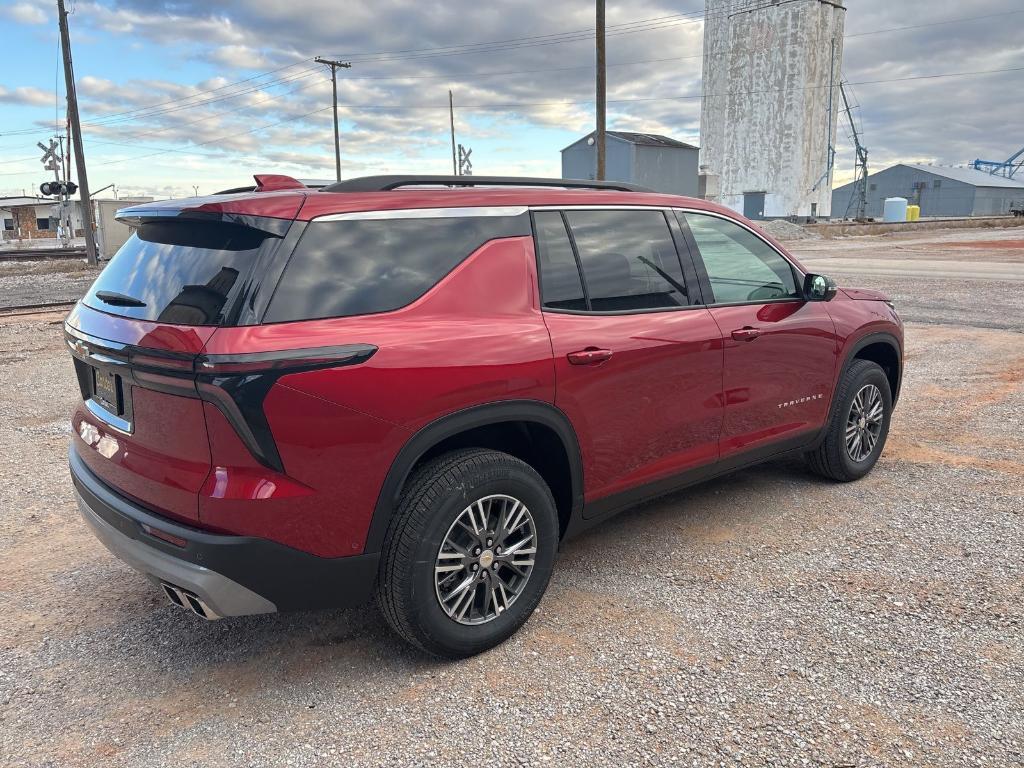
x: 894, y: 209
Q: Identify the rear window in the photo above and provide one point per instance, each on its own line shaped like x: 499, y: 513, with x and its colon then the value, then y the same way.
x: 184, y: 273
x: 355, y: 266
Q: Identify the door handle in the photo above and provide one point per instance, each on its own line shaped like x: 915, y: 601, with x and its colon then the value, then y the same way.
x: 589, y: 356
x: 746, y: 333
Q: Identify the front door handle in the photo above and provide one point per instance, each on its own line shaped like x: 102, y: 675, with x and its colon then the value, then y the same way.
x: 746, y: 333
x: 589, y: 356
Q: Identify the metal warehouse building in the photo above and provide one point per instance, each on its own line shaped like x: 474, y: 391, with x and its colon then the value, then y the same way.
x: 940, y: 191
x: 653, y: 161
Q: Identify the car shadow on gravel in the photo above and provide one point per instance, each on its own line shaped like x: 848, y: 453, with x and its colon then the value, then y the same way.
x: 145, y: 632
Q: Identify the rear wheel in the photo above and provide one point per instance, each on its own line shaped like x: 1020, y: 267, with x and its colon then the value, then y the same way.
x: 469, y: 552
x: 858, y: 425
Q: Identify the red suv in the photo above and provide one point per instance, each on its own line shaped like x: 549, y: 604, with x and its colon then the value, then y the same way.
x: 419, y: 386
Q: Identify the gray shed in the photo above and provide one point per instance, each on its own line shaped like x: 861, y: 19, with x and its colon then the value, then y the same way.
x: 940, y: 191
x: 648, y: 159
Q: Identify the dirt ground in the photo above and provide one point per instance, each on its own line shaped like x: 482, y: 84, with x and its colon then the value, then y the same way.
x: 767, y: 618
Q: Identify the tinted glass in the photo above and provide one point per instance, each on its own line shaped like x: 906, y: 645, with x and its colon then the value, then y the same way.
x: 360, y: 267
x: 629, y: 260
x: 741, y: 266
x: 560, y: 284
x: 186, y: 273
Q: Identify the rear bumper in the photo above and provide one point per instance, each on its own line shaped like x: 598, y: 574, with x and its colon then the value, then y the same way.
x: 231, y: 575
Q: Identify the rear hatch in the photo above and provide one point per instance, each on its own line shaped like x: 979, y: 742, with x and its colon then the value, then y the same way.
x: 137, y: 338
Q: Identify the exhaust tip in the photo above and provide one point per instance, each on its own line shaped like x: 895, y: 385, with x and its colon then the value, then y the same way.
x: 173, y: 595
x: 190, y: 601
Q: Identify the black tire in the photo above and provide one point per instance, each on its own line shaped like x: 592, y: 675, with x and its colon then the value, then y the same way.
x: 434, y: 496
x: 832, y: 459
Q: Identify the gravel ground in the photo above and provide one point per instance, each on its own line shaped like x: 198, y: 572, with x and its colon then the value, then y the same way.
x: 960, y: 298
x: 36, y: 282
x: 768, y: 618
x: 781, y: 229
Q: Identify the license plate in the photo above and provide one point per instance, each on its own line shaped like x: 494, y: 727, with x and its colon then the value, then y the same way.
x: 107, y: 388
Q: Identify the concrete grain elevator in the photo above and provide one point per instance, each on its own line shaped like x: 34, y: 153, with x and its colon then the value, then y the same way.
x: 770, y: 106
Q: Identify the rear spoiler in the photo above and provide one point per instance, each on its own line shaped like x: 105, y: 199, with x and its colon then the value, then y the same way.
x: 136, y: 217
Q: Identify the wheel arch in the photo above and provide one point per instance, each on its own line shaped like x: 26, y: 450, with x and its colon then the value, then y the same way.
x: 885, y: 350
x: 534, y: 423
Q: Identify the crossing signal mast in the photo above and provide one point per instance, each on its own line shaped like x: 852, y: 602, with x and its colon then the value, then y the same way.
x: 53, y: 160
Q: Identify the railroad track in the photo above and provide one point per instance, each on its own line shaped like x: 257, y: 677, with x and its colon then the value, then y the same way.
x: 47, y: 307
x: 42, y: 254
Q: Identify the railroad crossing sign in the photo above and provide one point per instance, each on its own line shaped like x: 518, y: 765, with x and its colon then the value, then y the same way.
x: 49, y: 158
x: 465, y: 164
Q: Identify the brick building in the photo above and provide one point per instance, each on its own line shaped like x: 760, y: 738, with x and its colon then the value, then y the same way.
x: 33, y: 218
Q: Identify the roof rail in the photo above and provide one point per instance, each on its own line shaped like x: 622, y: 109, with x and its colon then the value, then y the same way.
x: 387, y: 183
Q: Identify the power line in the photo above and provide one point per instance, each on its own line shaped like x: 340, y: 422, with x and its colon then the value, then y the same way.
x: 537, y: 104
x: 570, y: 36
x: 210, y: 90
x: 573, y: 36
x: 563, y: 103
x: 654, y: 23
x: 134, y: 112
x: 151, y: 111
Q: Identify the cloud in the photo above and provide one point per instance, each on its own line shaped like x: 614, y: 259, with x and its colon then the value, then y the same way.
x: 240, y: 57
x: 393, y: 106
x: 26, y: 13
x: 26, y: 95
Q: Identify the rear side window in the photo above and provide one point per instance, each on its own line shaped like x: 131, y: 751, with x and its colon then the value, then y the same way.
x: 560, y: 283
x: 741, y: 266
x: 629, y: 260
x: 184, y: 273
x: 354, y: 266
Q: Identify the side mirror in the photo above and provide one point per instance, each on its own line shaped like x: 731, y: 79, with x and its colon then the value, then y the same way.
x: 819, y: 288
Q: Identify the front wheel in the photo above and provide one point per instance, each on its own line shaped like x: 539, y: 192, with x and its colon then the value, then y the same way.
x: 469, y: 552
x: 858, y: 425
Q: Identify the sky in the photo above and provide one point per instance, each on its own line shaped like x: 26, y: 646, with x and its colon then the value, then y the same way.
x: 191, y: 96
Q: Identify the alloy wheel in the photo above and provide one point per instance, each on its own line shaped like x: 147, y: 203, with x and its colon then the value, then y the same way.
x: 864, y: 424
x: 485, y: 560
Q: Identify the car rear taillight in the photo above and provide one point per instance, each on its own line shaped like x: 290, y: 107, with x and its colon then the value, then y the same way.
x: 235, y: 383
x: 281, y: 362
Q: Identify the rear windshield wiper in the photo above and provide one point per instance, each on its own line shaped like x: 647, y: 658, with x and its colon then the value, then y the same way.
x: 119, y: 299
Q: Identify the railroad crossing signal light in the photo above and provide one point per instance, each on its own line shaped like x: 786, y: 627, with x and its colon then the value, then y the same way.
x: 58, y: 188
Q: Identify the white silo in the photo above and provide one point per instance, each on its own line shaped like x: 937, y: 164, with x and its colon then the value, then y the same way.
x: 770, y: 103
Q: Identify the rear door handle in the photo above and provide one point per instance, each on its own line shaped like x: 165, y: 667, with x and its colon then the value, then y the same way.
x: 746, y: 333
x: 589, y: 356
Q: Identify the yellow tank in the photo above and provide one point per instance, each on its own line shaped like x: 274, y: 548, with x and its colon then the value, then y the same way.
x: 913, y: 212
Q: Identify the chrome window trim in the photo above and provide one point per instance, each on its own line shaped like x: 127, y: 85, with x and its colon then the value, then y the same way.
x: 425, y: 213
x: 675, y: 208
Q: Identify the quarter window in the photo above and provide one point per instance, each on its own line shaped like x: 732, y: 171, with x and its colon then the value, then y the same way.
x: 741, y: 266
x: 629, y: 260
x: 364, y: 266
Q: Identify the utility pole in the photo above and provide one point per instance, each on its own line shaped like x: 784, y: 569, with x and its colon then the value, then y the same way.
x: 334, y: 65
x: 76, y: 136
x: 451, y: 119
x: 601, y: 95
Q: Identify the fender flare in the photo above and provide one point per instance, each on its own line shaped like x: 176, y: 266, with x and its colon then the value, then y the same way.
x: 874, y: 338
x: 535, y: 411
